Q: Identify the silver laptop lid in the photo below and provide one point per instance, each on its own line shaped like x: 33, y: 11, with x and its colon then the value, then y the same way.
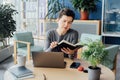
x: 48, y: 59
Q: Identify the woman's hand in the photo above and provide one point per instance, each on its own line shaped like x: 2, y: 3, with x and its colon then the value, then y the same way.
x: 68, y: 51
x: 53, y: 44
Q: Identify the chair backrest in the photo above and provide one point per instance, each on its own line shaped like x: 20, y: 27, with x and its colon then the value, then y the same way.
x: 85, y: 37
x: 24, y: 36
x: 110, y: 58
x: 89, y: 26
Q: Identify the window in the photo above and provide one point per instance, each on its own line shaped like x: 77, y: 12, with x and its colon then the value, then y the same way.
x: 30, y: 15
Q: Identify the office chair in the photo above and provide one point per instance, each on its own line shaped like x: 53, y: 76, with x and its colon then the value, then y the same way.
x: 112, y: 49
x: 24, y: 45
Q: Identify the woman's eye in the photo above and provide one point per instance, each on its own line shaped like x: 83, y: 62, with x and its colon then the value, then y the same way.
x: 70, y: 22
x: 64, y: 21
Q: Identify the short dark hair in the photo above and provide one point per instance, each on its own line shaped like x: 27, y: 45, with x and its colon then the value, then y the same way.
x: 67, y: 12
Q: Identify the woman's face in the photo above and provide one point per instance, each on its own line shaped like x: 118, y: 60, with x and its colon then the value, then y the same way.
x: 65, y: 22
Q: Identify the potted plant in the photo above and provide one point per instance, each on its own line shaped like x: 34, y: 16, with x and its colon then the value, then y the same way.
x: 54, y: 6
x: 7, y: 23
x: 85, y: 6
x: 95, y: 54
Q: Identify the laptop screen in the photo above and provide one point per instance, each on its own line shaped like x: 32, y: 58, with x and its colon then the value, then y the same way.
x: 48, y: 59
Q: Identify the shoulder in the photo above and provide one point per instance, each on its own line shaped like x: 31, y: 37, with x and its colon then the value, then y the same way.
x: 50, y: 31
x: 73, y: 31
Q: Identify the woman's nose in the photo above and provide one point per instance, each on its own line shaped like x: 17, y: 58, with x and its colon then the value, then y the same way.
x: 66, y: 24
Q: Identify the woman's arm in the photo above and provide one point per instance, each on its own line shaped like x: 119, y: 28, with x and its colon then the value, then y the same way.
x: 50, y: 43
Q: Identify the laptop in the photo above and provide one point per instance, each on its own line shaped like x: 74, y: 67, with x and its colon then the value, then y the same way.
x: 48, y: 59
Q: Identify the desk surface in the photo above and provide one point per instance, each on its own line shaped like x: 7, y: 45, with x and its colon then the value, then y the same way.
x: 66, y: 73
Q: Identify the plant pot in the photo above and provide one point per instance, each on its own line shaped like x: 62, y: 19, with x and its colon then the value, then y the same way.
x: 84, y: 15
x: 6, y: 52
x: 94, y: 73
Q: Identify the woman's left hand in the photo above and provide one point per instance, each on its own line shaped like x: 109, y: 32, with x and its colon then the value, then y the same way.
x: 67, y: 51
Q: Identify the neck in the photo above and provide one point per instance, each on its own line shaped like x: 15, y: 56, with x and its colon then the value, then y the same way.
x: 60, y: 32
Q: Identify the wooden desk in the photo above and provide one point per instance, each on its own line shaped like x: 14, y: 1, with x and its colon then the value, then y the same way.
x: 64, y: 74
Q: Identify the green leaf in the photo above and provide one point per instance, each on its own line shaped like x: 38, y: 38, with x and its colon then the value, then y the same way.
x: 95, y: 53
x: 86, y: 5
x: 7, y: 23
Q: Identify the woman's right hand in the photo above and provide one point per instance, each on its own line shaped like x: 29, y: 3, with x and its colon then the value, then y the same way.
x: 53, y: 44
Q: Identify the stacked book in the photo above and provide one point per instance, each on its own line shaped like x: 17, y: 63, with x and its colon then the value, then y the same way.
x: 21, y: 72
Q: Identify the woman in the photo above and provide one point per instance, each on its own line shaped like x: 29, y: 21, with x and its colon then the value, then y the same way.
x: 63, y: 32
